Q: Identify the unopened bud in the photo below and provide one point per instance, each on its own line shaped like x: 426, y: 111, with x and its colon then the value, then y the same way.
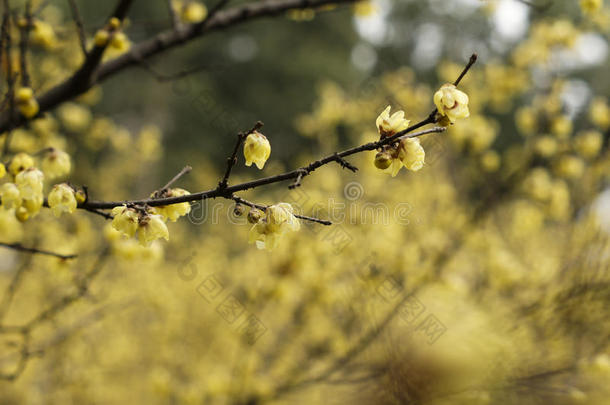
x: 255, y: 215
x: 383, y: 160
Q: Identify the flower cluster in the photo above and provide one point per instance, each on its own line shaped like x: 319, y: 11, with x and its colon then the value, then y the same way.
x: 148, y: 226
x: 268, y: 228
x: 406, y: 152
x: 112, y: 37
x: 24, y: 193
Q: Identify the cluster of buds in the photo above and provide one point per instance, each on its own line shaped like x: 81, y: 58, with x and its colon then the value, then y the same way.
x: 257, y: 149
x: 269, y: 226
x: 112, y: 36
x: 26, y: 103
x: 405, y: 152
x: 24, y: 193
x: 131, y: 220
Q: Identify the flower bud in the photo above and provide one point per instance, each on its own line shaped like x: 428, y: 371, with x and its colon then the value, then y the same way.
x: 238, y: 210
x: 383, y: 160
x: 255, y: 215
x: 101, y: 38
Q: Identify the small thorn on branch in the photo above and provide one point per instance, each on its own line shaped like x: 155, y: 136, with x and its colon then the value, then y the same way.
x: 297, y: 181
x: 345, y: 164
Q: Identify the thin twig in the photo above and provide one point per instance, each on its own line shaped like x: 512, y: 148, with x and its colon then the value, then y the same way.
x: 240, y: 200
x: 80, y: 28
x: 20, y: 248
x: 24, y: 33
x: 186, y: 169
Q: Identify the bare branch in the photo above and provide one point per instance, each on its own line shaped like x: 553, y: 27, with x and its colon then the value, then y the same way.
x: 91, y: 73
x: 20, y: 248
x: 80, y: 28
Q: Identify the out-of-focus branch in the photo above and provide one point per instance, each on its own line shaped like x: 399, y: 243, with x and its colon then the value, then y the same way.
x: 24, y: 32
x: 80, y: 28
x: 92, y: 73
x: 20, y: 248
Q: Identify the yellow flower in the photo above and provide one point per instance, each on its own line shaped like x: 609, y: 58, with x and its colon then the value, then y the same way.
x: 29, y: 183
x: 570, y: 167
x: 256, y: 149
x: 490, y: 161
x: 591, y: 7
x: 451, y: 102
x: 2, y: 170
x: 56, y: 164
x: 525, y: 119
x: 545, y: 146
x: 538, y: 184
x: 43, y: 35
x: 61, y: 199
x: 411, y: 154
x: 26, y: 103
x: 32, y: 205
x: 589, y: 143
x: 150, y: 228
x: 279, y: 219
x: 19, y: 163
x: 120, y: 42
x: 599, y: 113
x: 561, y: 126
x: 174, y: 211
x: 192, y: 12
x: 390, y: 125
x: 75, y: 117
x: 101, y: 38
x: 364, y: 8
x: 125, y: 220
x: 10, y: 196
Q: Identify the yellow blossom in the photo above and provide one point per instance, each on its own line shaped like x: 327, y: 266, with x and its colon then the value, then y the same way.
x: 19, y: 163
x: 26, y: 103
x: 29, y: 183
x: 490, y: 161
x: 32, y: 205
x: 191, y: 12
x: 538, y: 184
x: 56, y: 164
x: 174, y: 211
x: 256, y: 149
x: 74, y: 117
x: 561, y: 126
x: 383, y: 160
x: 119, y: 42
x: 411, y: 154
x: 10, y: 196
x: 2, y: 170
x: 599, y: 113
x: 545, y: 146
x: 150, y: 228
x: 101, y: 38
x: 390, y: 125
x: 451, y: 102
x: 589, y: 143
x: 590, y: 7
x: 279, y: 219
x: 125, y: 220
x: 526, y: 120
x: 570, y: 167
x: 364, y: 8
x: 43, y: 35
x: 61, y: 199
